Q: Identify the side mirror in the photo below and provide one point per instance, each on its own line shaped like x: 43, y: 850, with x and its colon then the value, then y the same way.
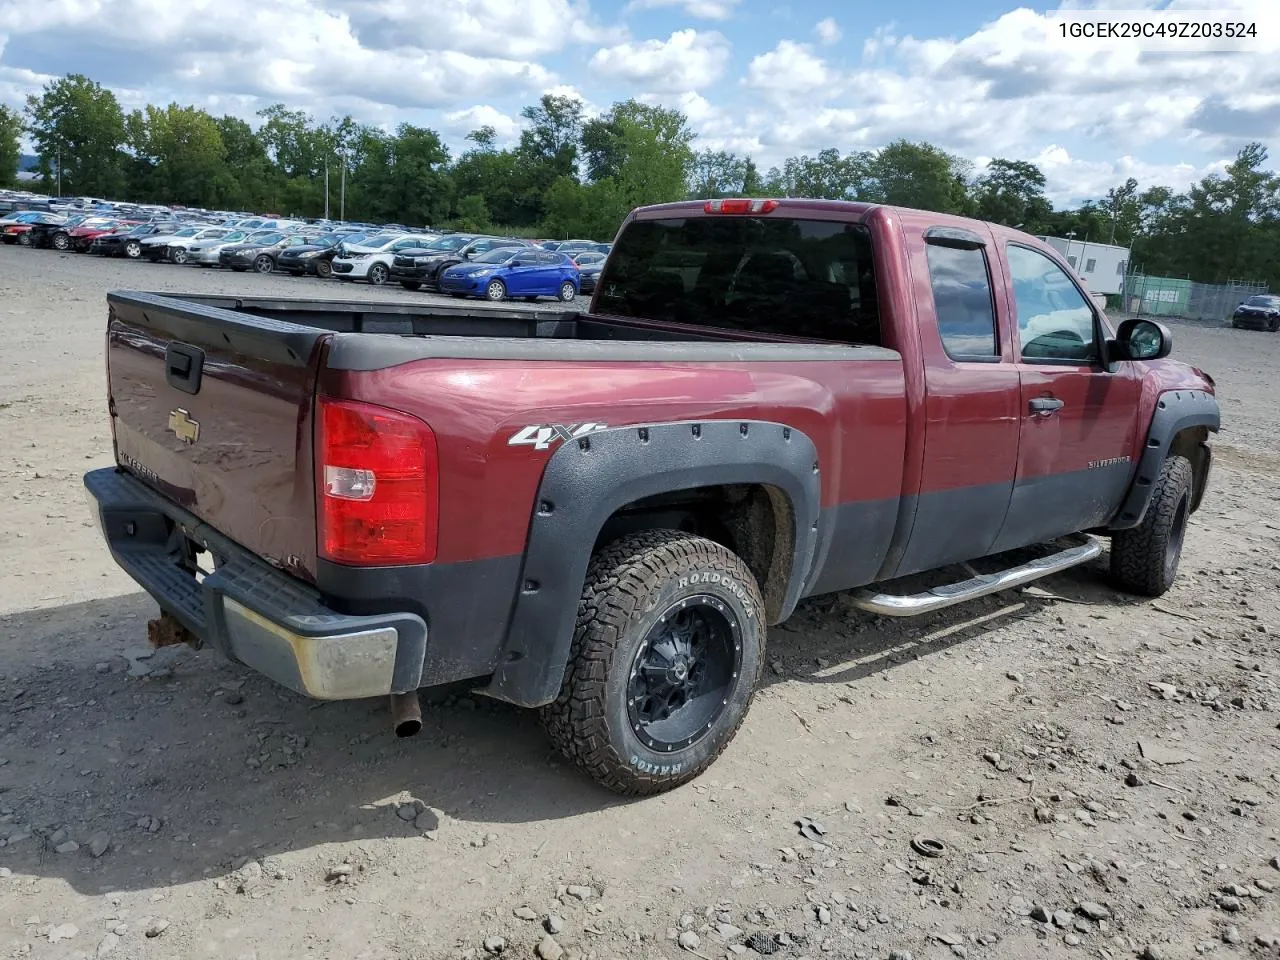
x: 1139, y: 339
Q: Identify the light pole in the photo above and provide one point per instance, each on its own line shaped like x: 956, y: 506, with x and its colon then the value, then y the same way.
x: 1070, y: 236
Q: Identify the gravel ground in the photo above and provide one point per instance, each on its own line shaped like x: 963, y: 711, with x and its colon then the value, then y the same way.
x: 1097, y: 773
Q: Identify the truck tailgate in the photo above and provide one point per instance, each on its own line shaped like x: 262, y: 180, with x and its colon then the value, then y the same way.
x: 213, y: 409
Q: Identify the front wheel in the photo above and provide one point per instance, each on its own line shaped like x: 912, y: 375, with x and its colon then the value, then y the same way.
x: 1144, y: 560
x: 497, y: 290
x: 179, y: 255
x: 133, y: 249
x: 666, y: 655
x: 61, y: 241
x: 568, y: 291
x: 1273, y: 325
x: 378, y: 274
x: 324, y: 269
x: 264, y: 264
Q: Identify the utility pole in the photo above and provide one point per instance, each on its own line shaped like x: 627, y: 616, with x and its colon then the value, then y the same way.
x: 326, y: 191
x: 59, y: 168
x: 342, y: 203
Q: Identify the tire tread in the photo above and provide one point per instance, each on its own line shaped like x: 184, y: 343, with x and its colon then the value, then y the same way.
x: 620, y: 577
x: 1137, y: 555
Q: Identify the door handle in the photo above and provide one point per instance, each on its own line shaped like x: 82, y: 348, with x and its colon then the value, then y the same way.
x: 1043, y: 406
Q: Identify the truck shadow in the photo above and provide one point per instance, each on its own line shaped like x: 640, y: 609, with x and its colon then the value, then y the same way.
x: 201, y: 764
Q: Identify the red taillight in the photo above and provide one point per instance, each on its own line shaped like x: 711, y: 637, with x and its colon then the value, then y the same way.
x: 377, y: 497
x: 740, y: 205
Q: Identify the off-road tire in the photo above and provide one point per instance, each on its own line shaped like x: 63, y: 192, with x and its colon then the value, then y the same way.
x: 629, y: 584
x: 1144, y: 560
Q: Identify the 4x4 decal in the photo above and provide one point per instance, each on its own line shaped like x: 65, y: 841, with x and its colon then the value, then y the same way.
x: 540, y: 436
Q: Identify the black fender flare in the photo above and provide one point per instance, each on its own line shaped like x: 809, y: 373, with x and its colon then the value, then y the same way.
x: 589, y: 478
x: 1176, y: 410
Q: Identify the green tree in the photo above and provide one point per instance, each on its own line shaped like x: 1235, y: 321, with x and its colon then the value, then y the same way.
x: 918, y: 175
x: 1011, y: 192
x: 752, y: 182
x: 589, y: 211
x: 655, y: 155
x: 184, y: 149
x: 78, y: 130
x: 10, y: 145
x: 717, y: 173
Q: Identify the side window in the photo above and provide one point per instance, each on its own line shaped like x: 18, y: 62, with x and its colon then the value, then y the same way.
x: 1055, y: 322
x: 962, y: 302
x: 1089, y: 265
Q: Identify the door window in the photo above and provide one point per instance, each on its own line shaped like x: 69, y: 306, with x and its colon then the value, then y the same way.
x: 1055, y: 321
x: 962, y: 302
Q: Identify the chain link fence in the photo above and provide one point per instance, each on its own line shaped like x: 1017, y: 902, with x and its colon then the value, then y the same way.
x: 1185, y: 299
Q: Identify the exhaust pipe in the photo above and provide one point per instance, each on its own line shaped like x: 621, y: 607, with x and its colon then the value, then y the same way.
x: 406, y: 714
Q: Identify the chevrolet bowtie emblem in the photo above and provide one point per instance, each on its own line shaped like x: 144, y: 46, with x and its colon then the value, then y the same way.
x: 186, y: 429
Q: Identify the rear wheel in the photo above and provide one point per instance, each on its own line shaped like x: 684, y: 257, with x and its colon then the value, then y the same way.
x: 179, y: 255
x: 378, y: 274
x: 1144, y: 560
x: 497, y: 290
x: 133, y: 249
x: 61, y: 241
x: 666, y: 655
x: 264, y: 264
x: 324, y: 269
x: 568, y: 291
x: 24, y: 239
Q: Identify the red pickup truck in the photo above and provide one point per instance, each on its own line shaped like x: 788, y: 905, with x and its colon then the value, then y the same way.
x: 598, y: 514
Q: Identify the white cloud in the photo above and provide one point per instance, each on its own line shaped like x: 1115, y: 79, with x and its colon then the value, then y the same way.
x: 828, y: 31
x: 702, y: 9
x: 687, y: 60
x: 790, y: 70
x: 462, y: 122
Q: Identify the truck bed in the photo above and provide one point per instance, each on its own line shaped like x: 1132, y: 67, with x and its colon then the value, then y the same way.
x: 214, y: 398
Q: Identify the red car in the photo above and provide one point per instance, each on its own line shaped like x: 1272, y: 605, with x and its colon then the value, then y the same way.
x: 599, y: 514
x: 81, y: 238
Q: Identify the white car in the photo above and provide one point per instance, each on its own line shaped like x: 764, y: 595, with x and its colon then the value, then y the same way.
x: 371, y: 260
x: 153, y: 248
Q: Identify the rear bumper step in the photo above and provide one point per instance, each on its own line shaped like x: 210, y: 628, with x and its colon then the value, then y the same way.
x: 1082, y: 550
x: 252, y: 612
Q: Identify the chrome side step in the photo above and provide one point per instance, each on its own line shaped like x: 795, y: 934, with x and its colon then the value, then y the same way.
x: 892, y: 605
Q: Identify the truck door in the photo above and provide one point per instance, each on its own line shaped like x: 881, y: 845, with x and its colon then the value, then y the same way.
x: 1078, y: 419
x: 971, y: 400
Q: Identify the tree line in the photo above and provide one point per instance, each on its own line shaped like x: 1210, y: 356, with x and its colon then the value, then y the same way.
x: 576, y: 176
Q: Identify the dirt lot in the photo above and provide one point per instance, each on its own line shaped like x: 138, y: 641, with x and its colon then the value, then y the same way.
x: 175, y: 806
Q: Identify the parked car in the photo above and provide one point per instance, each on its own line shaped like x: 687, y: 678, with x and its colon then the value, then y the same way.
x: 258, y: 252
x: 413, y: 266
x: 158, y: 246
x: 507, y: 272
x: 589, y: 267
x: 55, y: 234
x: 83, y: 236
x: 18, y: 229
x: 312, y: 258
x: 430, y: 261
x: 371, y: 260
x: 576, y: 246
x: 642, y: 531
x: 129, y: 244
x: 1260, y: 312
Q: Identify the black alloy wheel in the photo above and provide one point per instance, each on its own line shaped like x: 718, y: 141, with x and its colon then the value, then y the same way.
x: 683, y: 672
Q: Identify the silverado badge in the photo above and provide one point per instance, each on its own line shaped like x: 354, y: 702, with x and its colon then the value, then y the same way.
x: 186, y: 429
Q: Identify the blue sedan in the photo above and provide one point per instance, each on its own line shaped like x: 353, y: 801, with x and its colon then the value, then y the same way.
x: 514, y: 272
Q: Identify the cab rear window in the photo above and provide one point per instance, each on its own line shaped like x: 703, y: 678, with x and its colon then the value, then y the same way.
x: 812, y: 279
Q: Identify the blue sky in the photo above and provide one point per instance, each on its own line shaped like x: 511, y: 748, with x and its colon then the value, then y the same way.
x: 769, y: 78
